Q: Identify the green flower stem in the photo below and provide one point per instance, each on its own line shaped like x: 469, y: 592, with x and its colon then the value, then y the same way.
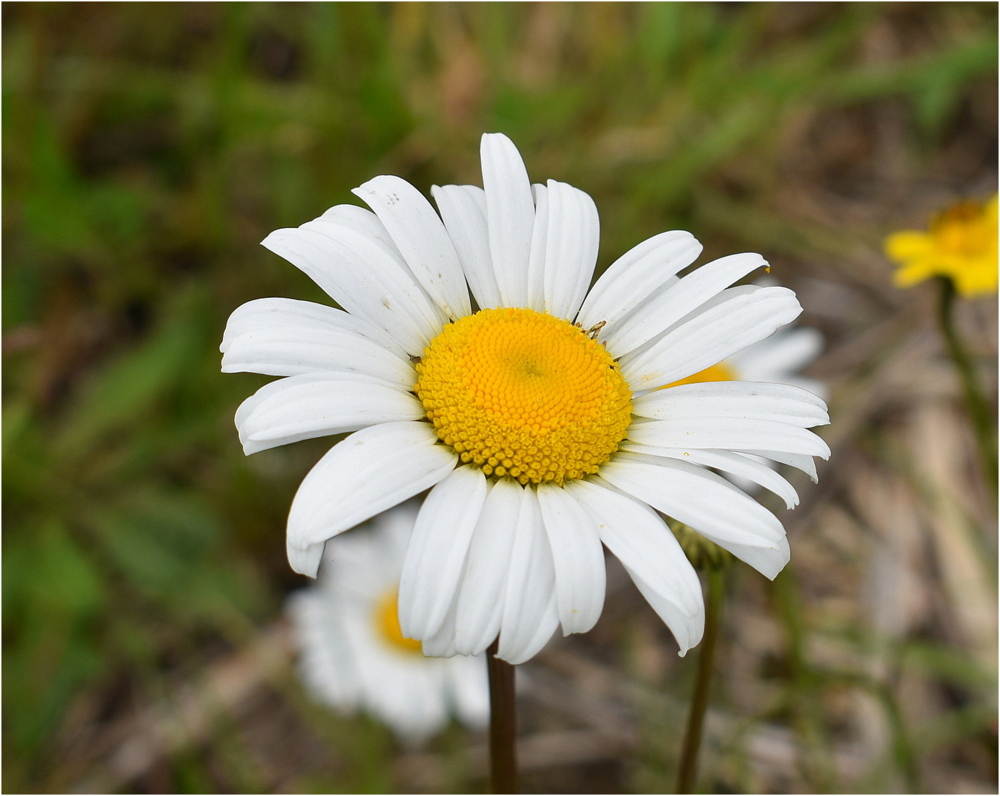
x: 979, y: 410
x: 503, y: 724
x: 699, y: 701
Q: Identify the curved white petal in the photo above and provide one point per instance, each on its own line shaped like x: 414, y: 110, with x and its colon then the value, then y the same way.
x: 741, y: 317
x: 637, y: 276
x: 435, y: 558
x: 305, y: 560
x: 687, y: 630
x: 728, y: 433
x: 294, y: 351
x: 463, y: 208
x: 422, y: 239
x: 318, y: 405
x: 574, y: 233
x: 767, y: 561
x: 577, y: 556
x: 269, y: 314
x: 641, y: 540
x: 481, y: 598
x: 736, y: 464
x: 442, y: 643
x: 535, y: 288
x: 799, y: 461
x: 745, y: 399
x: 680, y: 299
x: 361, y: 220
x: 364, y: 279
x: 529, y: 613
x: 698, y: 498
x: 510, y: 214
x: 367, y: 473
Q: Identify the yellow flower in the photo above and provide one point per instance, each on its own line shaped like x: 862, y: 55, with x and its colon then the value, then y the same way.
x: 961, y: 245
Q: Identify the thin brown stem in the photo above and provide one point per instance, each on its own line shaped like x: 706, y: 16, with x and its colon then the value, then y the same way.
x: 699, y: 700
x: 979, y: 409
x: 503, y: 724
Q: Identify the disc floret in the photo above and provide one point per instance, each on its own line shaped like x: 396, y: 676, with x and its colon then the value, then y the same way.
x: 523, y: 394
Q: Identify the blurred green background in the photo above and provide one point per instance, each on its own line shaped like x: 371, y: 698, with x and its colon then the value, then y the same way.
x: 149, y: 148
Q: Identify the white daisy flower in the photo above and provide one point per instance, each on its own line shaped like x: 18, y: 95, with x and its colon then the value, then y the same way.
x: 535, y: 421
x: 353, y: 655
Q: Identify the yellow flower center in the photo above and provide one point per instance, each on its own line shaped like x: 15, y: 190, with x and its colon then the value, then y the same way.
x: 523, y: 394
x: 387, y: 624
x: 719, y: 372
x: 964, y: 229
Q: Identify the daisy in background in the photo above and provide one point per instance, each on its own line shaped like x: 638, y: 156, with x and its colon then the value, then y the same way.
x: 780, y: 359
x: 961, y: 244
x: 960, y: 248
x: 352, y: 653
x: 471, y: 360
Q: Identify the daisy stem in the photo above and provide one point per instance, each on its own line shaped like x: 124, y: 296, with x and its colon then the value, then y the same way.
x: 699, y: 700
x: 979, y: 411
x: 503, y: 724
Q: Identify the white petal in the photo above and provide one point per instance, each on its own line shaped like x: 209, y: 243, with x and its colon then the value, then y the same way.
x: 758, y: 400
x: 577, y: 556
x: 728, y: 433
x: 799, y: 461
x: 682, y: 298
x: 687, y: 630
x: 442, y: 643
x: 463, y: 208
x: 735, y: 464
x: 435, y: 558
x: 370, y: 471
x: 767, y: 561
x: 510, y: 214
x: 291, y: 351
x: 652, y: 556
x: 317, y: 405
x: 529, y: 614
x: 782, y: 355
x: 422, y: 239
x: 698, y: 498
x: 361, y: 220
x: 305, y: 560
x: 741, y: 317
x: 480, y: 601
x: 268, y: 314
x: 638, y: 276
x: 364, y: 279
x: 535, y: 289
x: 570, y: 248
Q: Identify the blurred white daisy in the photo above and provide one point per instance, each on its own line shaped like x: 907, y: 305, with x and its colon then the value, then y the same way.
x: 352, y: 653
x: 548, y: 434
x: 779, y: 359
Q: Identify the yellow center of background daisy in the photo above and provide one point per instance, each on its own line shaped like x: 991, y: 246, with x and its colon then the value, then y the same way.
x: 965, y: 230
x: 523, y: 394
x: 387, y: 624
x: 717, y: 372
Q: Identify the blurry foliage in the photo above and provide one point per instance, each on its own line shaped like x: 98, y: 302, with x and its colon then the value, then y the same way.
x: 149, y: 147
